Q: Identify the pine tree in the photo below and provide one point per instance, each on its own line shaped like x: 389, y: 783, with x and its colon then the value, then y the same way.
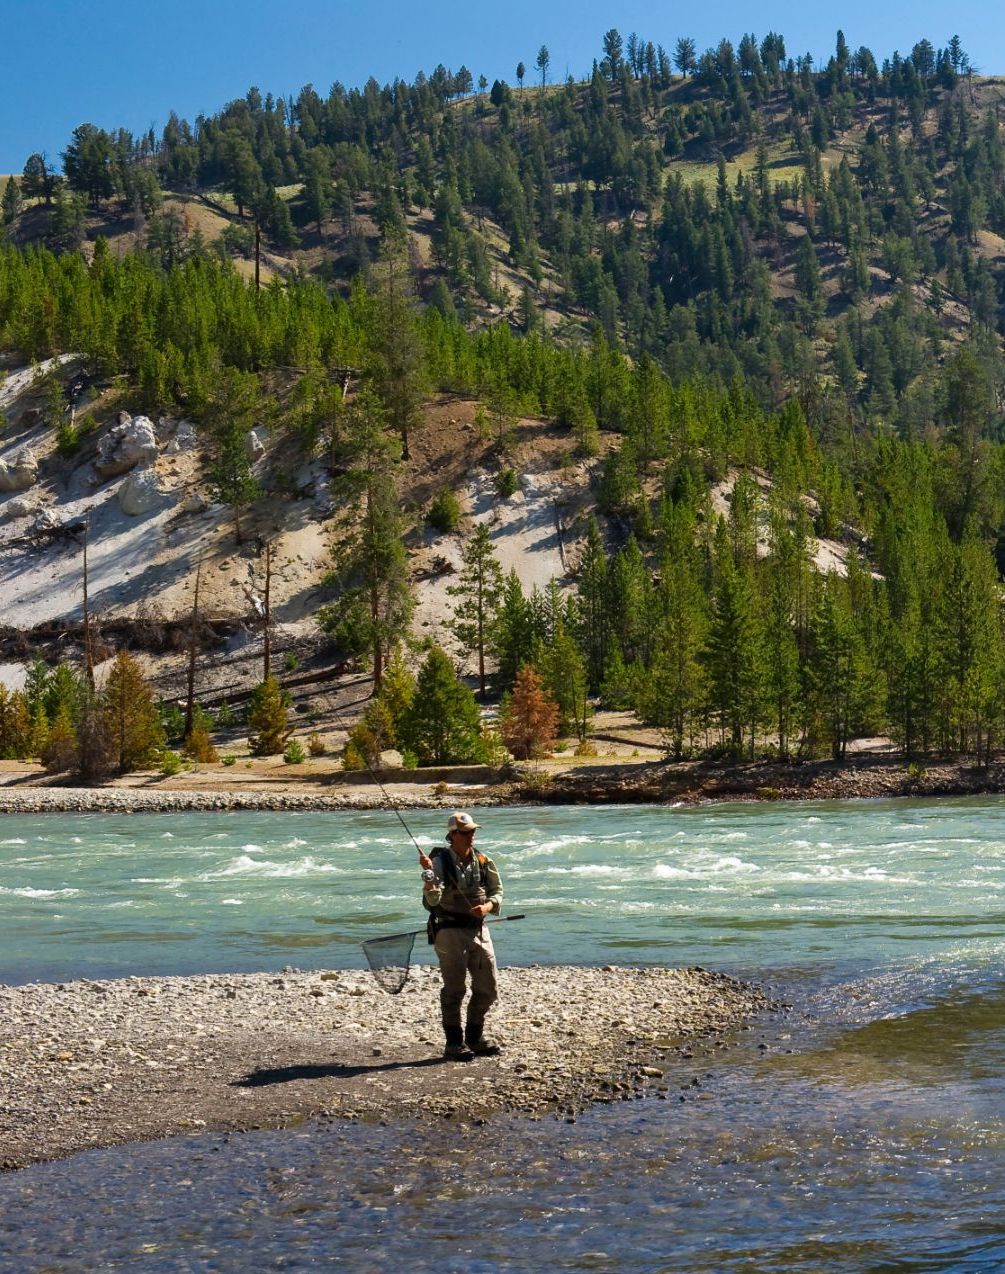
x: 10, y: 203
x: 563, y: 673
x: 36, y: 685
x: 398, y: 367
x: 318, y: 196
x: 734, y: 657
x: 38, y: 181
x: 376, y: 603
x: 61, y: 748
x: 132, y: 719
x: 479, y: 590
x: 268, y: 727
x: 838, y: 667
x: 397, y: 690
x: 39, y: 734
x: 786, y: 566
x: 593, y: 616
x: 513, y: 635
x: 529, y: 718
x: 542, y: 61
x: 971, y: 646
x: 63, y: 693
x: 677, y: 686
x: 15, y: 724
x: 232, y: 479
x: 442, y: 726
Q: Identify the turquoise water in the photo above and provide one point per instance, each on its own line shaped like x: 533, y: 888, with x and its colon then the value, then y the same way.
x: 863, y: 1130
x: 738, y: 887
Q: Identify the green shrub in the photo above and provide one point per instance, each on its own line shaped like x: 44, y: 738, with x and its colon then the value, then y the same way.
x: 291, y: 662
x: 294, y: 754
x: 236, y: 241
x: 445, y: 511
x: 409, y: 761
x: 225, y: 715
x: 507, y: 483
x: 347, y: 622
x: 229, y: 760
x: 172, y: 720
x: 69, y: 436
x: 171, y: 763
x: 67, y: 439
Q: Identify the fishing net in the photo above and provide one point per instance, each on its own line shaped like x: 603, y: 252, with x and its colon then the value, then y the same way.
x: 389, y: 959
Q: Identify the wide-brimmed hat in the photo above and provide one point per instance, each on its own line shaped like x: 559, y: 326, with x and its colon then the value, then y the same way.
x: 461, y: 822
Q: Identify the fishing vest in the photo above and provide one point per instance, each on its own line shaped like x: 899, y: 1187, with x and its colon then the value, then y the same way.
x: 441, y: 917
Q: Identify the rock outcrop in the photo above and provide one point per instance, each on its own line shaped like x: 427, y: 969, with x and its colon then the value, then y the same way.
x: 185, y: 438
x: 130, y: 443
x: 254, y: 446
x: 20, y: 472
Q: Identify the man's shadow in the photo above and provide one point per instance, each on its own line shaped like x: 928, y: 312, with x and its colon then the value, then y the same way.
x: 330, y: 1070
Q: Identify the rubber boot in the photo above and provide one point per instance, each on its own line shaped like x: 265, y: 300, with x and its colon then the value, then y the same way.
x: 456, y: 1050
x: 476, y: 1041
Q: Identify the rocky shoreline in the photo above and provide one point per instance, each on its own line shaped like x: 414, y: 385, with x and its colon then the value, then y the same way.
x: 129, y: 800
x: 98, y: 1063
x: 683, y: 783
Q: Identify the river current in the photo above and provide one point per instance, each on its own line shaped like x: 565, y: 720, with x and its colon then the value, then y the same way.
x: 864, y: 1130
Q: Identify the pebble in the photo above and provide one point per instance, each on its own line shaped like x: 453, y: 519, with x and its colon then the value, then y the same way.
x: 142, y: 1058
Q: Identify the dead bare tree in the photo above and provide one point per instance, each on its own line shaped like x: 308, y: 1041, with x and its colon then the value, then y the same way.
x: 267, y: 640
x: 88, y: 653
x: 192, y: 645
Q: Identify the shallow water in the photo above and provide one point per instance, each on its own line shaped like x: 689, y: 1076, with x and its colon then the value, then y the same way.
x: 863, y: 1130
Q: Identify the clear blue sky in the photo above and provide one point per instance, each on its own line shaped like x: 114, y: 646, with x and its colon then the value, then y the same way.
x: 129, y: 62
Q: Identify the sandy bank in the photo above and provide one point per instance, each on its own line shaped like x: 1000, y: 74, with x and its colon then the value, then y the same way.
x: 86, y: 1064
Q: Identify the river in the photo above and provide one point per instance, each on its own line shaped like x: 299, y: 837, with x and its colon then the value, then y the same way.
x: 862, y: 1131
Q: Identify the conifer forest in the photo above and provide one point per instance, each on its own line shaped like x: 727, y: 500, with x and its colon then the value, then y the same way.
x: 735, y: 271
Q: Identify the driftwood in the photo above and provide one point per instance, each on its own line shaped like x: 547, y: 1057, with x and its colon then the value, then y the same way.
x: 45, y: 535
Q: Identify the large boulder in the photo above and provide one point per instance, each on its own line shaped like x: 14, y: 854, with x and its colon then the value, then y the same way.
x: 20, y: 507
x: 140, y: 493
x: 132, y: 442
x: 195, y: 503
x: 20, y: 472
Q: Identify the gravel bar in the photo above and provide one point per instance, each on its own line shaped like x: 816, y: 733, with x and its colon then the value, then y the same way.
x: 98, y: 1063
x: 127, y: 800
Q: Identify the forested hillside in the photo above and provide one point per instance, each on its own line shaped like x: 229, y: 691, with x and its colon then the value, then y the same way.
x: 763, y: 300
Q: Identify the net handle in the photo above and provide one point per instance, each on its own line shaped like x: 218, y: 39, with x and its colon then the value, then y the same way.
x: 414, y: 933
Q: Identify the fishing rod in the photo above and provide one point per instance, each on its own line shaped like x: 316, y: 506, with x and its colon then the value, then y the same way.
x: 424, y: 858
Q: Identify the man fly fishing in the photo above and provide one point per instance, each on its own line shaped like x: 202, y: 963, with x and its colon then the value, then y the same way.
x: 460, y: 888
